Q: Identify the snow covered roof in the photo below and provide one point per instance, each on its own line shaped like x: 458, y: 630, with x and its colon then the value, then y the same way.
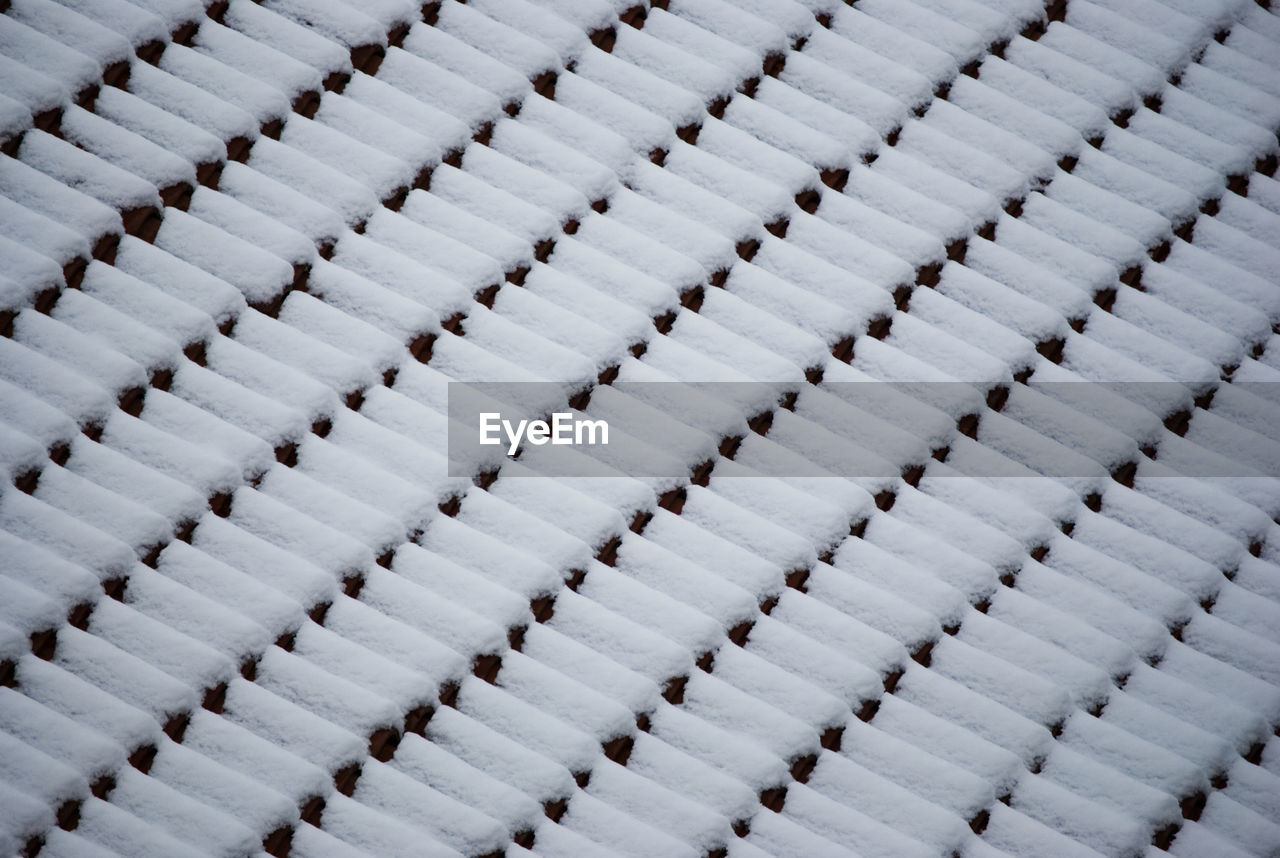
x: 245, y: 245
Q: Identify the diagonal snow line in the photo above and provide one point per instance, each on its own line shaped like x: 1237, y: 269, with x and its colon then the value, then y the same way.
x: 141, y: 757
x: 774, y: 797
x: 673, y: 679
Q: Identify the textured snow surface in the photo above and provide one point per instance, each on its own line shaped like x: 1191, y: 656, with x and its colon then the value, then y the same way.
x: 245, y: 246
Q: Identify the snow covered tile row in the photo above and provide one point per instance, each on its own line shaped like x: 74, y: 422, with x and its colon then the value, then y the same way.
x: 277, y: 844
x: 705, y: 338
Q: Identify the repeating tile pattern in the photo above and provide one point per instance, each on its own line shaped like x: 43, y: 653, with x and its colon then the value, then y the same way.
x: 246, y: 244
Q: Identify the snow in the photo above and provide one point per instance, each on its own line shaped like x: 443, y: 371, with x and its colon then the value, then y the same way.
x: 1216, y: 122
x: 62, y: 844
x: 524, y: 723
x: 773, y: 834
x: 1247, y: 216
x: 445, y: 255
x: 432, y: 765
x: 651, y: 589
x: 350, y: 200
x: 62, y: 389
x: 1240, y: 824
x: 457, y: 585
x: 1221, y: 677
x: 122, y: 832
x: 122, y: 675
x: 839, y: 778
x: 852, y: 136
x: 54, y: 339
x: 768, y: 727
x: 499, y: 757
x: 1134, y: 38
x: 237, y: 51
x: 518, y: 141
x: 822, y: 684
x: 791, y: 17
x: 41, y: 193
x: 456, y: 626
x: 174, y: 12
x: 1189, y: 142
x: 184, y: 818
x: 1064, y: 57
x: 286, y: 205
x: 164, y: 599
x: 407, y: 689
x: 1195, y: 839
x: 187, y: 101
x: 592, y: 95
x: 340, y: 23
x: 21, y: 453
x: 120, y: 474
x: 906, y: 84
x: 357, y: 824
x: 710, y: 30
x: 1224, y: 277
x: 880, y: 111
x: 15, y: 118
x: 1232, y: 727
x: 1035, y: 92
x: 29, y: 90
x: 892, y: 42
x: 342, y: 704
x: 438, y: 87
x: 27, y: 751
x: 1088, y: 685
x: 400, y: 643
x: 376, y: 172
x: 135, y: 23
x: 311, y: 842
x: 663, y: 810
x: 508, y: 176
x: 1236, y: 247
x: 563, y: 662
x: 237, y: 795
x: 1090, y: 824
x: 838, y: 822
x: 957, y: 39
x: 490, y: 79
x: 565, y: 37
x: 233, y: 406
x: 518, y: 50
x: 663, y: 764
x: 1219, y: 60
x: 30, y: 47
x: 47, y: 580
x: 224, y: 444
x: 692, y: 74
x: 301, y: 42
x: 644, y: 651
x: 43, y: 235
x: 227, y: 561
x: 657, y: 99
x: 967, y: 708
x: 581, y: 135
x: 260, y: 100
x: 626, y: 835
x: 423, y: 129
